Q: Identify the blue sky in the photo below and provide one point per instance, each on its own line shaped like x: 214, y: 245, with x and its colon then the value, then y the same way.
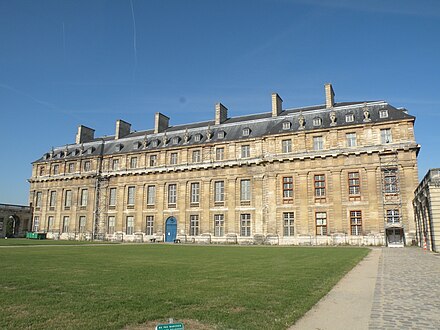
x: 65, y: 63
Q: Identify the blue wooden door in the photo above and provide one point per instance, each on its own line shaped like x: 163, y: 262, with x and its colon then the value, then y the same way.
x: 170, y: 229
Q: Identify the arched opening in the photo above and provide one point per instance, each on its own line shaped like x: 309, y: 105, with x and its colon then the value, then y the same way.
x: 12, y: 226
x: 170, y: 229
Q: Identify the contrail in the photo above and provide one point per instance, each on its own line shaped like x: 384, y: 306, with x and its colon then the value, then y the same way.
x: 134, y: 37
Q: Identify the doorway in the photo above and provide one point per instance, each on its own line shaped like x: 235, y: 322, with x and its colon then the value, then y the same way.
x: 170, y: 229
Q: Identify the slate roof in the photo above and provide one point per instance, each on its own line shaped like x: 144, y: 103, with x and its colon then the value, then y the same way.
x: 259, y: 124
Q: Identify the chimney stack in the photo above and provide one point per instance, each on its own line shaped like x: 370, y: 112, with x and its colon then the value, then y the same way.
x: 277, y: 105
x: 122, y: 129
x: 329, y: 96
x: 84, y: 134
x: 161, y: 122
x: 221, y: 113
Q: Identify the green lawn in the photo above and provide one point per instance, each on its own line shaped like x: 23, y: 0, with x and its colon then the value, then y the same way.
x: 117, y: 286
x: 24, y: 241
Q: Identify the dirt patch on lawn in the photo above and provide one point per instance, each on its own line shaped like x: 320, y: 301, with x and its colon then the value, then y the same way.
x: 189, y: 325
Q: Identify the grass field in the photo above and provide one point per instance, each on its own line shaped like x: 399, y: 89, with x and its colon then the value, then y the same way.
x: 24, y: 241
x: 208, y: 287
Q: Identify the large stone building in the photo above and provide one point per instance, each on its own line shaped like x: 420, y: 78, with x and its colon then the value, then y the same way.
x: 338, y: 173
x: 427, y: 210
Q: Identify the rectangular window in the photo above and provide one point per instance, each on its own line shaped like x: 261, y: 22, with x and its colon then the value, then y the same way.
x: 390, y: 181
x: 245, y: 224
x: 219, y: 153
x: 84, y: 197
x: 219, y: 191
x: 349, y: 118
x: 288, y: 222
x: 66, y: 222
x: 194, y: 225
x: 153, y: 160
x: 131, y: 196
x: 219, y: 225
x: 287, y: 187
x: 318, y: 143
x: 173, y: 158
x: 50, y: 223
x: 393, y: 216
x: 115, y: 164
x: 52, y: 199
x: 130, y: 225
x: 319, y: 185
x: 149, y: 229
x: 41, y: 171
x: 87, y: 165
x: 286, y: 146
x: 151, y: 195
x: 385, y: 136
x: 195, y: 192
x: 245, y: 190
x: 71, y: 167
x: 112, y: 197
x: 196, y: 157
x: 36, y: 223
x: 172, y: 194
x: 245, y: 151
x: 133, y: 162
x: 351, y: 139
x: 321, y: 223
x: 356, y: 222
x: 67, y: 199
x: 82, y: 224
x: 111, y: 225
x: 56, y: 169
x: 38, y: 199
x: 354, y: 184
x: 383, y: 113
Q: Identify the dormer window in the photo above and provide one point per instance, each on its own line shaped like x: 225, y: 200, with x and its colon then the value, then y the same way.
x: 383, y: 113
x: 349, y: 118
x: 119, y: 147
x: 317, y: 121
x: 221, y: 135
x: 90, y: 150
x: 137, y: 145
x: 154, y: 143
x: 197, y: 137
x: 287, y: 125
x: 175, y: 140
x: 46, y: 156
x: 246, y: 131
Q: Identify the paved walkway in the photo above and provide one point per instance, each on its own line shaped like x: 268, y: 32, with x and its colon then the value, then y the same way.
x: 390, y: 289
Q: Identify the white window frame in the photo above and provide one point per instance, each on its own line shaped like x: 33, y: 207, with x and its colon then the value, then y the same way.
x: 245, y: 151
x: 351, y: 139
x: 219, y: 225
x: 318, y: 143
x: 172, y: 193
x: 219, y: 191
x: 245, y: 190
x: 286, y: 146
x: 288, y: 223
x: 245, y: 225
x: 151, y: 195
x: 195, y: 192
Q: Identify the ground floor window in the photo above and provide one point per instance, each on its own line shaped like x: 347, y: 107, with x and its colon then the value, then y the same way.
x: 36, y: 223
x: 194, y: 225
x: 150, y: 225
x: 356, y: 222
x: 82, y: 224
x: 66, y: 222
x: 288, y: 220
x: 50, y: 223
x: 245, y: 224
x: 130, y: 225
x: 321, y: 223
x: 219, y: 225
x: 111, y: 225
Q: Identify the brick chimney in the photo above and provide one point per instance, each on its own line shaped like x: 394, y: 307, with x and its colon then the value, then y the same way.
x: 161, y: 122
x: 277, y: 105
x: 84, y: 134
x: 221, y: 113
x: 329, y: 96
x: 122, y: 129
